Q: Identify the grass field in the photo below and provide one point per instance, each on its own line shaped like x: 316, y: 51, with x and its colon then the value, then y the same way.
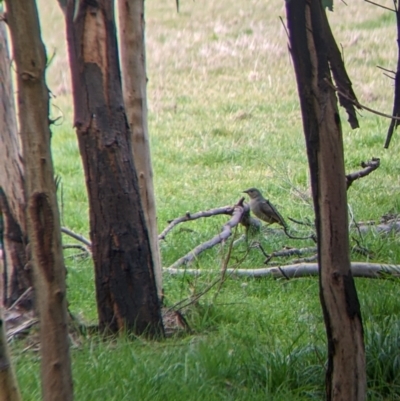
x: 224, y: 116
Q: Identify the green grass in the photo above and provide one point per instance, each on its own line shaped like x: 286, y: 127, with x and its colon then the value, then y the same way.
x: 224, y: 116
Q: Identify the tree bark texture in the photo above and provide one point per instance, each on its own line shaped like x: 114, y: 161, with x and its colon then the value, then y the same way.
x: 346, y: 376
x: 134, y: 80
x: 9, y: 390
x: 125, y: 284
x: 42, y: 211
x: 15, y: 279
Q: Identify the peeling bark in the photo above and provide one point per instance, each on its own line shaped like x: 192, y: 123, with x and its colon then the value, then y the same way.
x: 15, y: 279
x: 126, y: 290
x: 134, y: 80
x: 346, y: 374
x: 339, y: 73
x: 43, y: 218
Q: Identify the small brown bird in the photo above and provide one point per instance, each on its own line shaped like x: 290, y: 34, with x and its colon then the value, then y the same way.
x: 263, y: 208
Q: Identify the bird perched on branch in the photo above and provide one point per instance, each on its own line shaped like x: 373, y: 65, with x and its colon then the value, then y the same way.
x: 263, y: 208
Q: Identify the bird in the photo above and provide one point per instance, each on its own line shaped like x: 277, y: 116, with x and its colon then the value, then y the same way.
x: 263, y: 208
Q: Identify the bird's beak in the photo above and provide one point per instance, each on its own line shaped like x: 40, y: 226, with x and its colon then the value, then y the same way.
x: 245, y: 192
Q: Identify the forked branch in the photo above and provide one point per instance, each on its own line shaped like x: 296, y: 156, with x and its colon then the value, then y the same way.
x: 226, y: 232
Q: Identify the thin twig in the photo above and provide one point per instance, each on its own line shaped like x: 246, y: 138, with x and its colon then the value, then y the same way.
x: 379, y: 5
x: 284, y: 27
x: 194, y: 299
x: 283, y: 274
x: 21, y: 297
x: 385, y: 69
x: 78, y: 237
x: 225, y: 266
x: 290, y: 252
x: 390, y: 77
x: 75, y: 246
x: 85, y: 250
x: 258, y: 245
x: 308, y: 259
x: 304, y: 223
x: 359, y: 105
x: 362, y: 250
x: 194, y: 216
x: 311, y: 236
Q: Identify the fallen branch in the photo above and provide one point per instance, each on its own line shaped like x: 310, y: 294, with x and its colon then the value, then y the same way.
x: 82, y: 248
x: 290, y: 252
x: 226, y: 232
x: 358, y: 269
x: 189, y: 217
x: 78, y: 237
x: 384, y: 228
x: 308, y: 259
x: 22, y: 328
x: 368, y: 168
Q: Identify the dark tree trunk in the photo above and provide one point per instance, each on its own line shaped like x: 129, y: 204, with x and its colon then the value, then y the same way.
x: 9, y: 390
x: 16, y: 278
x: 125, y: 283
x: 346, y: 376
x: 43, y: 218
x: 134, y: 79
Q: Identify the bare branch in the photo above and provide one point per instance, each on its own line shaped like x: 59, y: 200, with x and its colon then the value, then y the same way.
x: 184, y: 303
x: 289, y: 235
x: 290, y: 252
x: 85, y: 250
x: 388, y: 228
x: 224, y: 268
x: 189, y: 217
x: 368, y: 168
x: 387, y: 70
x: 361, y: 106
x: 358, y: 269
x: 284, y: 27
x: 308, y: 259
x: 390, y: 77
x: 78, y: 237
x: 304, y: 223
x: 226, y: 232
x: 379, y: 5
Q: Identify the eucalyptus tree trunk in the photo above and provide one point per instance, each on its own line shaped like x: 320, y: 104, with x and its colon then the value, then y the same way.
x: 43, y: 218
x: 134, y: 80
x: 9, y: 390
x: 126, y: 289
x: 16, y: 278
x: 346, y: 375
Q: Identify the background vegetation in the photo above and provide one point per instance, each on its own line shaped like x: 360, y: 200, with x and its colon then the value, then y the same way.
x: 224, y: 116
